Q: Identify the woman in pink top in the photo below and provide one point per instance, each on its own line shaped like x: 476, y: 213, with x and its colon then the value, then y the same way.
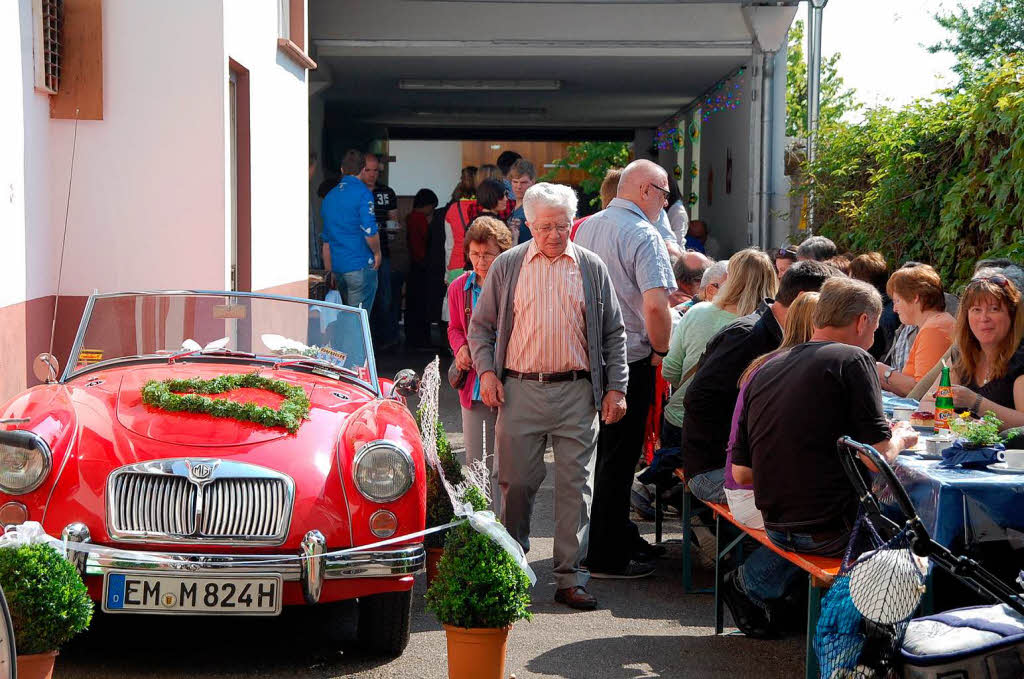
x: 918, y: 299
x: 486, y: 238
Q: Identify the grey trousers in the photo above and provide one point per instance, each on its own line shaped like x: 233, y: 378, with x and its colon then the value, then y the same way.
x: 478, y: 435
x: 565, y: 411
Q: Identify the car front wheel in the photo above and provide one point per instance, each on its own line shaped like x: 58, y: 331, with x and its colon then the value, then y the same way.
x: 384, y: 621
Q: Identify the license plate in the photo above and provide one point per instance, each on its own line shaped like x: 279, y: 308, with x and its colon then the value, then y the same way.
x: 131, y: 592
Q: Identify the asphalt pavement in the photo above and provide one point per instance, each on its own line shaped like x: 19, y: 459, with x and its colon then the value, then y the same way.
x: 644, y: 628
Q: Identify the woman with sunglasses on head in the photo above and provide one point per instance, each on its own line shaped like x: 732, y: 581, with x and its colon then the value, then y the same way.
x: 785, y: 257
x: 988, y: 362
x: 919, y: 300
x: 486, y: 238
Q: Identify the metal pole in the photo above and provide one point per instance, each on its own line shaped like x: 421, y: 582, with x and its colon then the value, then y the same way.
x: 767, y: 122
x: 814, y: 17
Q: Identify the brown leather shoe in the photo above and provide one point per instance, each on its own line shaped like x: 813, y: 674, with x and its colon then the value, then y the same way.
x: 576, y: 597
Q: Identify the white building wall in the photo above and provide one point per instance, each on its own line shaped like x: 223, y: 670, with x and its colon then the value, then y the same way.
x: 279, y: 146
x: 147, y: 201
x: 424, y: 164
x: 25, y: 231
x: 727, y: 214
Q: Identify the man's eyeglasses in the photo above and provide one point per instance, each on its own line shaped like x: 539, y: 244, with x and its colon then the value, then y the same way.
x: 664, y: 191
x: 548, y: 228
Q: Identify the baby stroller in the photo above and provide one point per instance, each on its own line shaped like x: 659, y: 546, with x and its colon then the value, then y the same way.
x: 865, y: 630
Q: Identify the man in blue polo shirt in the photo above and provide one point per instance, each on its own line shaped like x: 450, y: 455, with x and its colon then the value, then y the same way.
x: 350, y: 230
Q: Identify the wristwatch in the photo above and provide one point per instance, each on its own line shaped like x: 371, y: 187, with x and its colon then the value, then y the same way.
x: 888, y: 373
x: 663, y: 354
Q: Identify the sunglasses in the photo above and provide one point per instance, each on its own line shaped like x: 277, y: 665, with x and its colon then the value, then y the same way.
x: 665, y: 191
x: 1000, y: 280
x: 786, y: 253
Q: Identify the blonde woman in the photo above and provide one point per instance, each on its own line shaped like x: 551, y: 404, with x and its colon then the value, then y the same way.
x: 751, y: 278
x: 797, y: 331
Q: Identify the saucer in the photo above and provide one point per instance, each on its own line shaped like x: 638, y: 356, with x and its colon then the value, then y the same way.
x: 1001, y: 468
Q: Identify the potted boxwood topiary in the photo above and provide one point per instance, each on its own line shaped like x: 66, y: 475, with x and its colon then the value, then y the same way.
x: 49, y: 604
x: 439, y: 507
x: 478, y: 593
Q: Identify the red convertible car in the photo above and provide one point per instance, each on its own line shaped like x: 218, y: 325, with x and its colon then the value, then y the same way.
x: 220, y: 442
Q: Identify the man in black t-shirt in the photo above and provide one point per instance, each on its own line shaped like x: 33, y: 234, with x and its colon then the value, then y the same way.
x: 793, y: 412
x: 383, y: 324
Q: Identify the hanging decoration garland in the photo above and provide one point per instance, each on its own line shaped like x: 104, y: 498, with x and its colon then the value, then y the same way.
x: 693, y: 169
x: 677, y: 172
x: 186, y: 396
x: 668, y: 139
x: 726, y: 95
x: 692, y: 198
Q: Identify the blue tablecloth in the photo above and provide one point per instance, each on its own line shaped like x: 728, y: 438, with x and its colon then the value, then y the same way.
x: 959, y: 507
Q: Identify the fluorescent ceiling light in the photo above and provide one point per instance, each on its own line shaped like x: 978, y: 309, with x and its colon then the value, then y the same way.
x: 500, y: 113
x: 478, y: 85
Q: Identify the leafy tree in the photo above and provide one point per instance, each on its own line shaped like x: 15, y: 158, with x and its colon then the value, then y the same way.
x: 594, y: 158
x: 940, y: 182
x: 836, y: 98
x: 982, y: 36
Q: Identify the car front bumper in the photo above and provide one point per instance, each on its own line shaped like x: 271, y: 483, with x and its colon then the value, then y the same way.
x: 310, y: 572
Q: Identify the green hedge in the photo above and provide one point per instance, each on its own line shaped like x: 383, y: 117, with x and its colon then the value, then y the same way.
x: 439, y: 506
x: 940, y: 182
x: 478, y: 583
x: 48, y: 601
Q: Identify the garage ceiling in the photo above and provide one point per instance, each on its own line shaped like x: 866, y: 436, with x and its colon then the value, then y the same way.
x: 618, y: 64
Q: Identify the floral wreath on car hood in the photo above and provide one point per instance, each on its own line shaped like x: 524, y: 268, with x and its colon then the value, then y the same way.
x: 187, y: 396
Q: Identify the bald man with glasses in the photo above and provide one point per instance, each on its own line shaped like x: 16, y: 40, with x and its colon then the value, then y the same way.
x: 624, y: 237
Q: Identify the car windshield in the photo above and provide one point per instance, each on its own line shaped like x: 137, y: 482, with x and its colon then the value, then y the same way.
x: 147, y: 325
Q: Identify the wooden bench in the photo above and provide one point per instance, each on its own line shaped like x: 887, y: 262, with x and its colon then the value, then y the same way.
x: 820, y: 572
x: 820, y: 569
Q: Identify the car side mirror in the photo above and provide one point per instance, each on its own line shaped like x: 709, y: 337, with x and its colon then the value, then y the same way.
x: 45, y: 368
x: 406, y: 383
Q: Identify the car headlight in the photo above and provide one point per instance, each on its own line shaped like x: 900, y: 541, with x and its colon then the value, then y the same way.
x: 383, y: 471
x: 24, y: 461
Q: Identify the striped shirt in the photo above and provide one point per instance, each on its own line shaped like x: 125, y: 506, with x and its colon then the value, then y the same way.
x: 549, y: 329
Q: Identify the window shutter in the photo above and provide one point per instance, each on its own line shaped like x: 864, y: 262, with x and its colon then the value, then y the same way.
x: 48, y: 46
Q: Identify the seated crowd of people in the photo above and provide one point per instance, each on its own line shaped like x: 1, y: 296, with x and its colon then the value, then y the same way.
x: 602, y: 333
x: 754, y: 422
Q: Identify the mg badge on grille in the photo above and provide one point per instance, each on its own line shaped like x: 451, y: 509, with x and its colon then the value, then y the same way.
x: 200, y: 471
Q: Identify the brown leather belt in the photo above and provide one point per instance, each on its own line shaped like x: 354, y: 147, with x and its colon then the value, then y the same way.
x: 548, y: 378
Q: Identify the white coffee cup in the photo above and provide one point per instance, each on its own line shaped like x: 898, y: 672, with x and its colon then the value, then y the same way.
x: 902, y: 413
x: 1014, y: 458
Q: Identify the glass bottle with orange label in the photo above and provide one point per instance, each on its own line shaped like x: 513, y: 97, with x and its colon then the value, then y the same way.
x: 944, y: 410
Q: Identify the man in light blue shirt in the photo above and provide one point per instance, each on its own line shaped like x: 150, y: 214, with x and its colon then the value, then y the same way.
x: 624, y: 237
x: 350, y: 230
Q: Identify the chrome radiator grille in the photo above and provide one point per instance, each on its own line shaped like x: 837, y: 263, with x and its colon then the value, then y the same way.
x: 250, y: 507
x: 147, y: 503
x: 199, y: 501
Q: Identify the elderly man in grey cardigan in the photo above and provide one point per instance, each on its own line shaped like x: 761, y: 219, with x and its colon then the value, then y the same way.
x: 548, y: 342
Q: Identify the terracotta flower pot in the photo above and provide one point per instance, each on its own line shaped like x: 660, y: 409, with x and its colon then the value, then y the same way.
x: 476, y: 653
x: 37, y: 665
x: 433, y: 557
